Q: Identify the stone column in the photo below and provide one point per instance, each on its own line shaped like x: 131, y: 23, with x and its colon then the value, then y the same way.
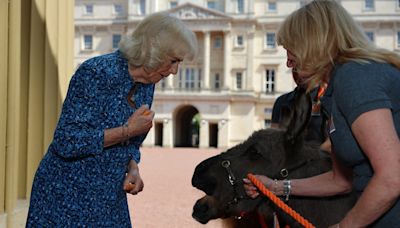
x: 250, y: 53
x: 227, y: 60
x: 150, y: 137
x: 170, y: 81
x: 206, y: 61
x: 204, y: 134
x: 223, y: 134
x: 168, y: 136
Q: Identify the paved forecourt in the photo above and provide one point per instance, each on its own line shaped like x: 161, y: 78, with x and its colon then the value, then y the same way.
x: 168, y: 196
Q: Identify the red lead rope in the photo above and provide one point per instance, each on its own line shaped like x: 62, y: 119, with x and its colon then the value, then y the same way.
x: 278, y: 202
x: 316, y: 107
x: 321, y: 90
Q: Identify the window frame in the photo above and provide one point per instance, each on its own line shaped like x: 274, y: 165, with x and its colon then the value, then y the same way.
x: 217, y: 81
x: 269, y: 4
x: 397, y: 40
x: 267, y: 122
x: 369, y: 5
x: 240, y: 6
x: 266, y: 41
x: 118, y: 9
x: 86, y: 12
x: 142, y: 7
x: 269, y: 83
x: 218, y: 42
x: 84, y: 42
x: 370, y: 35
x: 173, y: 4
x: 113, y: 40
x: 239, y: 83
x: 239, y: 43
x: 189, y: 78
x: 213, y: 3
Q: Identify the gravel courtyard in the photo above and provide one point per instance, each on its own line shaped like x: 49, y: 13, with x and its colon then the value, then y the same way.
x: 168, y: 196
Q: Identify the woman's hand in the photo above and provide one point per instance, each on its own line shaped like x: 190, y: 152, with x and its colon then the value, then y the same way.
x: 141, y: 121
x: 252, y: 191
x: 133, y: 183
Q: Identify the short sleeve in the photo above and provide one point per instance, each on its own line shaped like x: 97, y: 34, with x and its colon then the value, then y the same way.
x: 78, y: 132
x: 360, y: 88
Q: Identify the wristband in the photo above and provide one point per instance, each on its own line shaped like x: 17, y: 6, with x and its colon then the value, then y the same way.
x: 287, y: 187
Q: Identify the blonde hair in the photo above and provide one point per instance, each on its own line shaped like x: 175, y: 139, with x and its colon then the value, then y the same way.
x: 323, y: 33
x: 157, y: 36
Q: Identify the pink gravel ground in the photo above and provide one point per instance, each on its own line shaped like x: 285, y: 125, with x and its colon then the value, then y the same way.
x: 168, y: 196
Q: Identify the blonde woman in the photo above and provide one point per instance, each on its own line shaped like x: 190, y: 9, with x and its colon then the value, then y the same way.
x: 363, y: 103
x: 93, y: 159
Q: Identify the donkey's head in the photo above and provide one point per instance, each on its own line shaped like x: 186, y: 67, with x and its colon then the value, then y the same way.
x: 268, y: 152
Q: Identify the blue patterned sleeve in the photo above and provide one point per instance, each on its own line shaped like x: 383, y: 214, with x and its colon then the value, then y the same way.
x: 79, y: 133
x: 135, y: 155
x: 146, y: 96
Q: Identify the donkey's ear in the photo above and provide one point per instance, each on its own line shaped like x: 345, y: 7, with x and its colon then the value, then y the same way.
x: 286, y: 116
x: 299, y: 116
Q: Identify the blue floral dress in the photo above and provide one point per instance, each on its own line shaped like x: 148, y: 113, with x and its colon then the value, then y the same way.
x: 79, y: 182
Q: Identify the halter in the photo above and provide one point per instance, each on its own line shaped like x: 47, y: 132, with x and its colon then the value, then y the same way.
x: 284, y: 172
x: 233, y: 181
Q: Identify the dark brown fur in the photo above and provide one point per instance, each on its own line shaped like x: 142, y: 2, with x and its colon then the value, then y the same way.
x: 267, y: 152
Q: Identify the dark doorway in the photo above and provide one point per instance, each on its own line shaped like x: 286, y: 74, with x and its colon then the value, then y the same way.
x: 158, y: 136
x: 186, y: 128
x: 213, y: 135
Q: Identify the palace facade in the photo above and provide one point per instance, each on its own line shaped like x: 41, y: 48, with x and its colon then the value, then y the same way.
x: 227, y: 92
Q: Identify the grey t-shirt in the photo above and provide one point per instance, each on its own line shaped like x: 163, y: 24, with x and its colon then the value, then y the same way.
x: 354, y: 89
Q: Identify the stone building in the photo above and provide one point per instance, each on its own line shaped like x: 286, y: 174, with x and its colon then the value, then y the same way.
x: 239, y: 71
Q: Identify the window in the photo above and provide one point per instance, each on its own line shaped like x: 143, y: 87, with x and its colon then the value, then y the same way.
x: 267, y: 111
x: 217, y: 81
x: 267, y: 123
x: 369, y: 4
x: 398, y: 4
x: 88, y: 9
x: 173, y: 4
x: 270, y: 42
x: 239, y: 41
x: 211, y: 4
x: 88, y: 42
x: 239, y: 79
x: 370, y: 36
x: 189, y: 78
x: 269, y: 80
x: 142, y: 7
x: 272, y: 6
x: 118, y: 9
x: 240, y: 6
x: 163, y: 83
x: 115, y: 40
x: 218, y: 42
x: 398, y: 39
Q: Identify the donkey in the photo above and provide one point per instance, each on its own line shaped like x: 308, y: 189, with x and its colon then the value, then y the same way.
x: 278, y: 154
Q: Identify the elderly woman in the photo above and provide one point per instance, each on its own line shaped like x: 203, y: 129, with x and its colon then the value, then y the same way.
x: 92, y: 161
x: 363, y: 106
